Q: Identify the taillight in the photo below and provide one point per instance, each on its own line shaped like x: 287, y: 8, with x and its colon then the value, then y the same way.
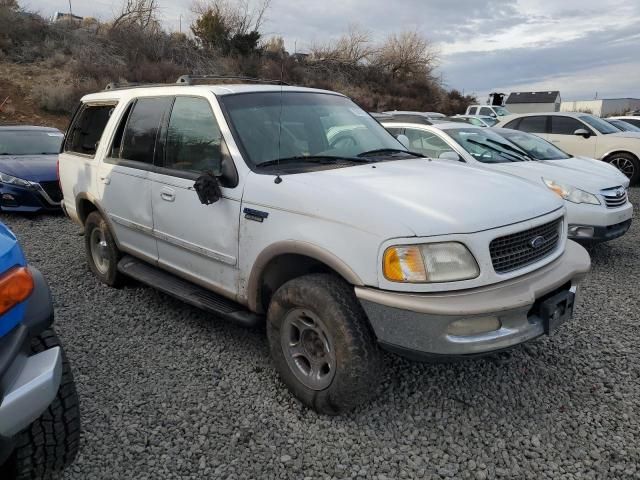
x: 15, y: 286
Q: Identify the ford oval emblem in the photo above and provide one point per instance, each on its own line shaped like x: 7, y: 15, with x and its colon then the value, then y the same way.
x: 536, y: 242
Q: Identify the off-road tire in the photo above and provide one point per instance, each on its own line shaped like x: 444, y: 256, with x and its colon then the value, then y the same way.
x: 632, y: 161
x: 358, y: 360
x: 51, y: 442
x: 112, y: 276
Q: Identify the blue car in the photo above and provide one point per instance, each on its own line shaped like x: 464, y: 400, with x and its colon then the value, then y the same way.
x: 28, y: 169
x: 39, y: 413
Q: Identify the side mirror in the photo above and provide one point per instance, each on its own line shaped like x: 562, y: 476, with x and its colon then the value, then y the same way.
x: 493, y: 115
x: 404, y: 140
x: 450, y: 155
x: 582, y: 132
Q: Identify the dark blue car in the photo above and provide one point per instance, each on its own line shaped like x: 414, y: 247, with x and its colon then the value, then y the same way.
x: 39, y: 413
x: 28, y: 169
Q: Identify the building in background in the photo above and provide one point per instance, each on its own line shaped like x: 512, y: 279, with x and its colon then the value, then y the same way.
x: 605, y: 107
x: 65, y: 17
x: 533, y: 102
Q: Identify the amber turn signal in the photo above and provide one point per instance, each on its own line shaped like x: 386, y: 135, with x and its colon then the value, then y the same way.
x: 15, y: 286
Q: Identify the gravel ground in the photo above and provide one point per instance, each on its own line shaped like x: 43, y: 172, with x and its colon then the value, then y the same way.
x: 169, y: 392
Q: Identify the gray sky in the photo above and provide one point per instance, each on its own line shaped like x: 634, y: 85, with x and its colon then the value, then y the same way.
x: 579, y: 47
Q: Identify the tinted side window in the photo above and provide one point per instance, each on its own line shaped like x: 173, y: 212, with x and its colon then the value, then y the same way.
x: 513, y: 124
x: 565, y: 125
x: 139, y: 139
x: 194, y: 141
x: 486, y: 111
x: 533, y: 124
x: 87, y: 128
x: 473, y: 110
x: 633, y: 121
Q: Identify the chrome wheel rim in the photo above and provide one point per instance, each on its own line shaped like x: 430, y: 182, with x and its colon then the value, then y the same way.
x: 625, y: 165
x: 99, y: 250
x: 308, y: 349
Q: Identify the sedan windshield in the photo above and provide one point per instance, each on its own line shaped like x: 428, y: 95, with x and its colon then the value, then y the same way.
x: 501, y: 111
x: 624, y: 126
x: 536, y: 147
x: 30, y: 142
x: 486, y: 146
x: 600, y: 125
x: 294, y: 126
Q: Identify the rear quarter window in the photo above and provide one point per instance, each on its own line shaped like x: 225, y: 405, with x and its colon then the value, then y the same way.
x: 87, y: 128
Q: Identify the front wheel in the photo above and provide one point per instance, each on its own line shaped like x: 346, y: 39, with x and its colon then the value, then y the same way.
x: 627, y: 164
x: 51, y: 442
x: 322, y: 345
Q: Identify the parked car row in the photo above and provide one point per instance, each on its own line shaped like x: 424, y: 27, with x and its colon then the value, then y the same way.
x: 344, y: 234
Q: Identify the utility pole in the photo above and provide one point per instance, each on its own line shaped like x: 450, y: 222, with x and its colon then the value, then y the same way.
x: 70, y: 11
x: 180, y: 23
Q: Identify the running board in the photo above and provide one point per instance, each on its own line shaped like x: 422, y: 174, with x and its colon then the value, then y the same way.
x: 188, y: 292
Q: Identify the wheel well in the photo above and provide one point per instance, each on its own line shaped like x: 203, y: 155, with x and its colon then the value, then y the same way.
x: 85, y: 207
x: 609, y: 155
x: 283, y: 268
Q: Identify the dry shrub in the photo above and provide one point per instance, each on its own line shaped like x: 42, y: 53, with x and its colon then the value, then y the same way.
x: 62, y: 97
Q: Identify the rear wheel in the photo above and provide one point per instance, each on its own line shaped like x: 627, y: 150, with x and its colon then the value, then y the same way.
x: 102, y: 253
x: 322, y: 345
x: 627, y: 164
x: 51, y: 442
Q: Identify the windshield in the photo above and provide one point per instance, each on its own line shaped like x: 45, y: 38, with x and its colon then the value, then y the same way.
x: 486, y: 146
x: 600, y: 125
x: 624, y: 126
x: 501, y: 111
x: 490, y: 121
x: 30, y: 142
x: 535, y: 146
x: 294, y: 125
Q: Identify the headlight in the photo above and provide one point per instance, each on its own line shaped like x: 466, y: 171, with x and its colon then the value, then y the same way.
x: 429, y: 263
x: 4, y: 178
x: 571, y: 194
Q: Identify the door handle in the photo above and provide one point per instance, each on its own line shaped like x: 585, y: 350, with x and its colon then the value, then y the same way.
x: 105, y: 179
x: 167, y: 194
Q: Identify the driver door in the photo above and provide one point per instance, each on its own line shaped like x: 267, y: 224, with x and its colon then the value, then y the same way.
x: 562, y: 135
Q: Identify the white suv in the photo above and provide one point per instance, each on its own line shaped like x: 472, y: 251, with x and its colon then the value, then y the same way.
x: 583, y: 135
x: 294, y: 206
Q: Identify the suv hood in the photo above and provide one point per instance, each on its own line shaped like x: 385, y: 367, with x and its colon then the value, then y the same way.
x: 408, y: 197
x: 35, y: 168
x: 584, y: 173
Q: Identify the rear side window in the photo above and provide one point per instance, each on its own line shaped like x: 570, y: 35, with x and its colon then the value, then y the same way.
x: 486, y: 111
x: 87, y: 128
x: 139, y: 138
x: 473, y: 110
x: 565, y: 125
x: 533, y: 124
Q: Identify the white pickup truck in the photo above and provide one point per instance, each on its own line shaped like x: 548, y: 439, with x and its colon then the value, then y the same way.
x: 295, y: 207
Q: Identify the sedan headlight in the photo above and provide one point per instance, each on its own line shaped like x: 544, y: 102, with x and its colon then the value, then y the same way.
x: 429, y: 263
x: 4, y: 178
x: 571, y: 194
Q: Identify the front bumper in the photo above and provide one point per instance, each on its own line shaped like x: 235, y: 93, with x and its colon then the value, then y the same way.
x: 28, y: 383
x: 419, y: 325
x: 32, y: 199
x: 596, y: 223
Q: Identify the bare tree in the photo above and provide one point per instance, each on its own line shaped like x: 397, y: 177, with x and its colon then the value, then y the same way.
x: 406, y: 54
x: 352, y: 49
x: 140, y: 13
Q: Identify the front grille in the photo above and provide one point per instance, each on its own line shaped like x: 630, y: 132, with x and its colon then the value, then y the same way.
x: 614, y: 197
x: 53, y: 190
x: 515, y: 251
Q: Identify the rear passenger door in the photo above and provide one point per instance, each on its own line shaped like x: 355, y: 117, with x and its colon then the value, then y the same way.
x: 563, y: 135
x: 123, y: 176
x: 198, y: 242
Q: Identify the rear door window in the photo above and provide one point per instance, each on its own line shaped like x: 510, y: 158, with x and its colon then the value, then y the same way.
x: 473, y: 110
x: 87, y: 128
x: 486, y: 111
x: 536, y: 124
x: 141, y: 131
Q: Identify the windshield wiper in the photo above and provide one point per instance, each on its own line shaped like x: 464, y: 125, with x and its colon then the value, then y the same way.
x: 390, y: 151
x: 320, y: 159
x: 517, y: 158
x: 513, y: 149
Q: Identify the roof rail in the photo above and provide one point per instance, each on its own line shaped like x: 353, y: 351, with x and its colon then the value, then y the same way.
x: 189, y: 79
x: 126, y: 85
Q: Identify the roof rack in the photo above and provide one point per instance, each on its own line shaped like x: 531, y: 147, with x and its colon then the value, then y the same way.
x: 189, y: 79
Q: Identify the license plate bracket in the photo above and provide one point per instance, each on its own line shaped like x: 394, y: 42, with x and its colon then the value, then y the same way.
x: 556, y: 310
